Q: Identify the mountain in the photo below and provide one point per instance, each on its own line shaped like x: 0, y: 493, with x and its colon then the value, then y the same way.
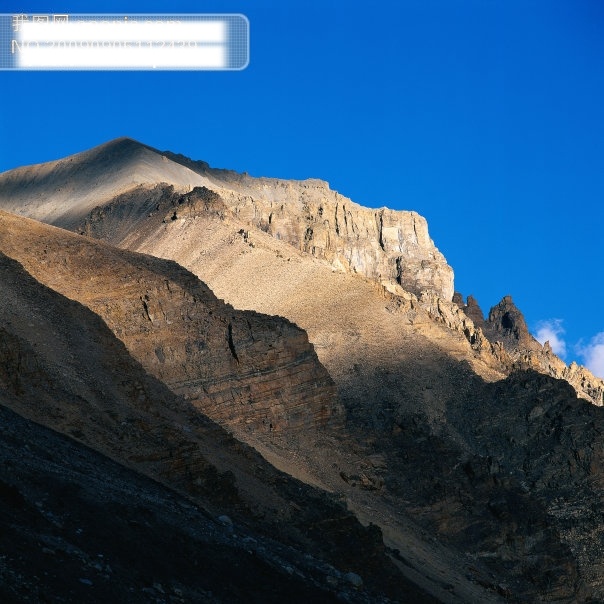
x: 370, y: 242
x: 134, y: 196
x: 459, y: 436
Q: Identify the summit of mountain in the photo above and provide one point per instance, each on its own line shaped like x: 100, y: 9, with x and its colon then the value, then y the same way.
x: 62, y: 192
x: 386, y: 245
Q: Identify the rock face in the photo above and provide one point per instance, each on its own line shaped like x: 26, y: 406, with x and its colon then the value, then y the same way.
x: 241, y: 368
x: 380, y: 244
x: 384, y: 245
x: 519, y: 492
x: 452, y: 474
x: 506, y: 324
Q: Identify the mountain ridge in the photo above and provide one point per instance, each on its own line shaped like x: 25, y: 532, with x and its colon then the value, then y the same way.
x: 391, y: 248
x: 111, y: 169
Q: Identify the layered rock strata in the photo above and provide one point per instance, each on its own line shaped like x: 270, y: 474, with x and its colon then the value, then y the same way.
x: 241, y: 368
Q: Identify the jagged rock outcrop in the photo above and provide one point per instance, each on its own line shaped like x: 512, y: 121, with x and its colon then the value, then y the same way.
x: 240, y: 368
x: 470, y: 308
x: 514, y: 348
x: 506, y: 324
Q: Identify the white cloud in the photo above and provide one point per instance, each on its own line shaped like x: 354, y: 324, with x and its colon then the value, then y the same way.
x: 593, y: 354
x: 552, y: 331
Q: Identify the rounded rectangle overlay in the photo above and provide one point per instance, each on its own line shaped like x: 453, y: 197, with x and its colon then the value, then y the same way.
x: 123, y: 42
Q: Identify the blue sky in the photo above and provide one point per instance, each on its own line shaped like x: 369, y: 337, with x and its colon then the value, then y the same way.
x: 486, y: 116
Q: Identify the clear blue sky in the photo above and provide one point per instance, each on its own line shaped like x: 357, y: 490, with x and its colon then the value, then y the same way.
x: 486, y: 116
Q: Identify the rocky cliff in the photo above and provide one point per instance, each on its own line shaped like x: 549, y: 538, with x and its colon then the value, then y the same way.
x: 406, y: 368
x: 385, y: 245
x: 381, y: 244
x: 241, y: 368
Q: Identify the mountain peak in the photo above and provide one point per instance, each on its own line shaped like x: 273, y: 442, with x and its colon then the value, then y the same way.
x: 117, y: 147
x: 506, y: 322
x: 471, y: 309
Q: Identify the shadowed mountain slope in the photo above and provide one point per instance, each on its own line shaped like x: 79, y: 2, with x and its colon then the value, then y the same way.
x: 61, y: 366
x: 78, y: 527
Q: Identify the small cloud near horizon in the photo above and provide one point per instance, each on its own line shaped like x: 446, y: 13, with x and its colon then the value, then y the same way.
x: 552, y: 331
x: 593, y: 354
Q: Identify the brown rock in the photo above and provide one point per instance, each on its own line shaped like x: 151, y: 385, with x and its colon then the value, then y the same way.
x: 241, y: 368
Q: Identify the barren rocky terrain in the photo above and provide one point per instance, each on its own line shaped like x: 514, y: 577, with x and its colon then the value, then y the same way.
x: 346, y: 380
x: 60, y: 366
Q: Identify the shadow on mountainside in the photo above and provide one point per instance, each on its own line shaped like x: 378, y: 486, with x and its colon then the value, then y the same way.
x: 509, y: 473
x: 61, y: 366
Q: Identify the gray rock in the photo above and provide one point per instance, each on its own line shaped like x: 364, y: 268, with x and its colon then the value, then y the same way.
x: 354, y: 579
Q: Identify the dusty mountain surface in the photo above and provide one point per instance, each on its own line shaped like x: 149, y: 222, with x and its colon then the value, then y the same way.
x: 444, y: 428
x: 62, y: 367
x: 382, y: 244
x: 67, y: 189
